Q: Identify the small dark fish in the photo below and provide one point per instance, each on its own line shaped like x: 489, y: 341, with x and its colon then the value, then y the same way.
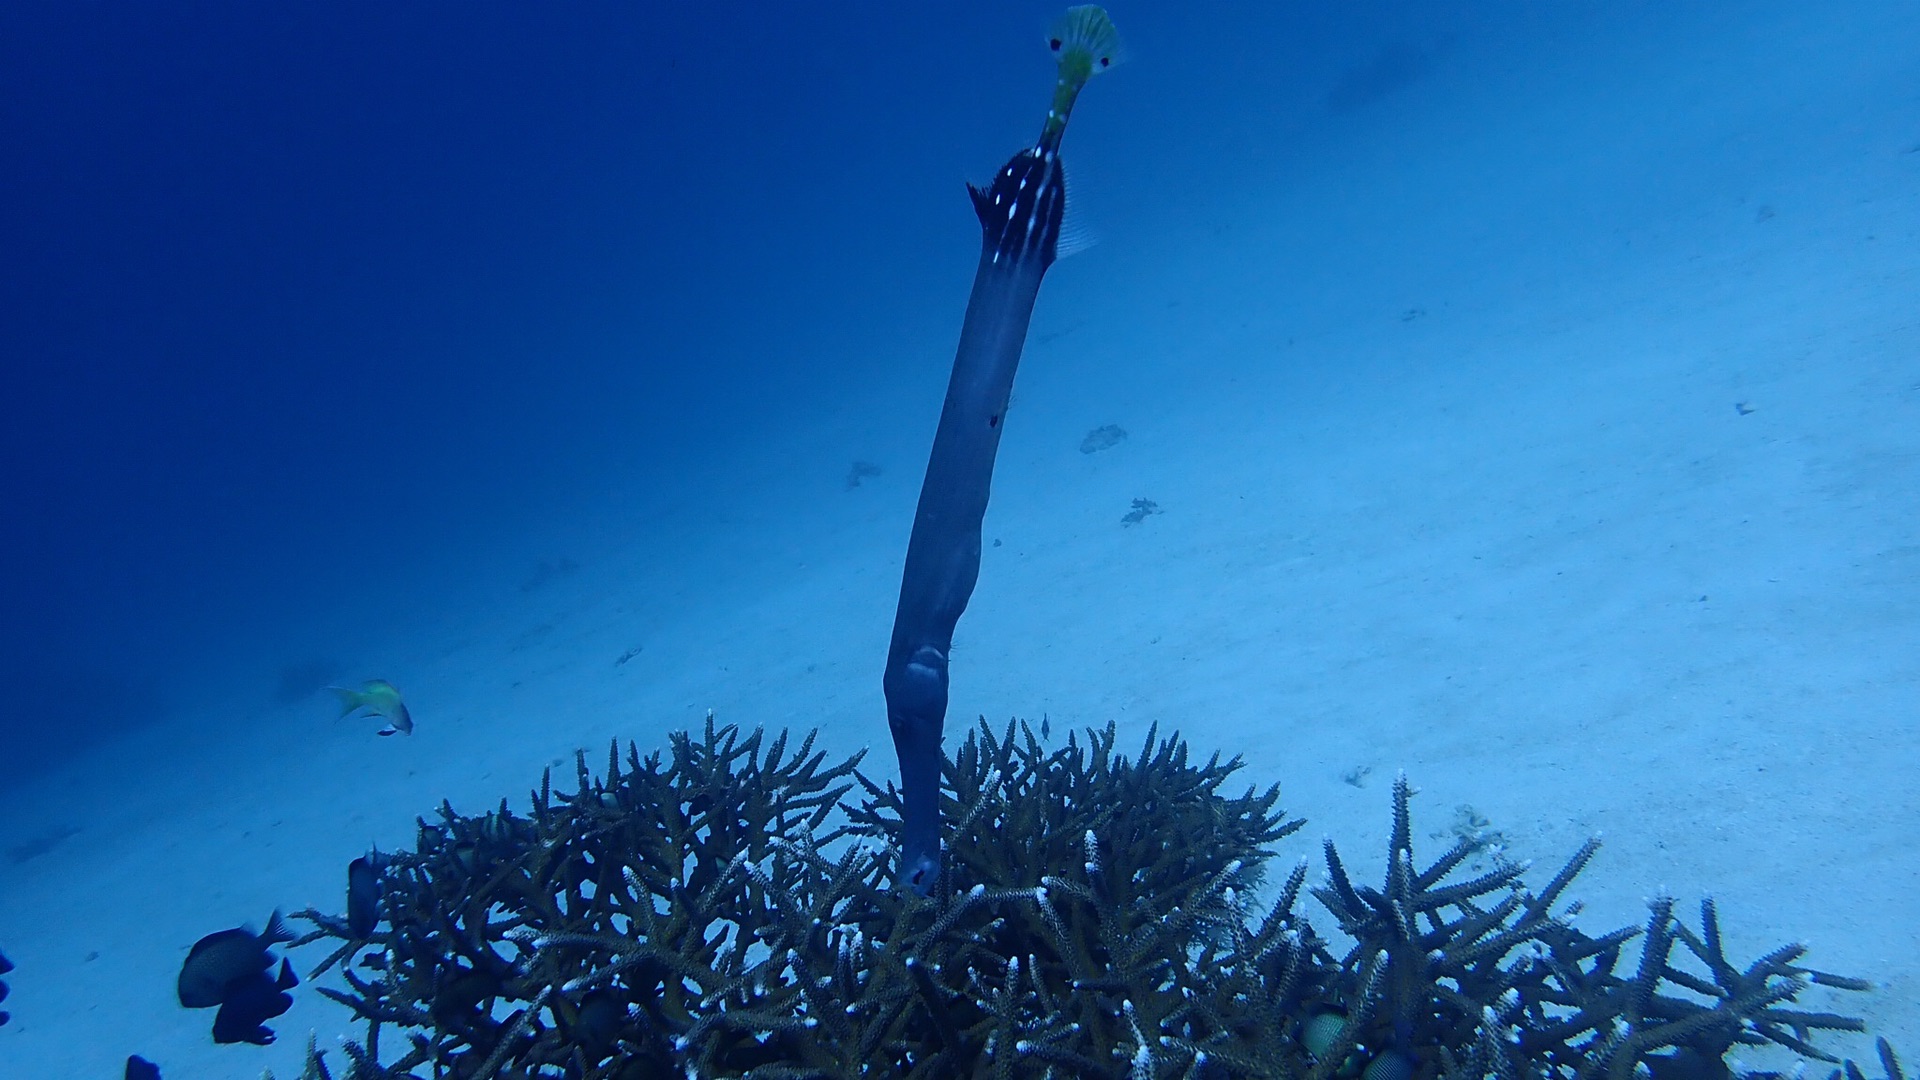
x: 363, y: 894
x: 250, y: 1003
x: 600, y: 1014
x: 222, y: 959
x: 459, y: 997
x: 139, y: 1068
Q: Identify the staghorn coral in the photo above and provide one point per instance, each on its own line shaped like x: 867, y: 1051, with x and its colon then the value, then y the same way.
x: 727, y: 912
x: 1488, y: 957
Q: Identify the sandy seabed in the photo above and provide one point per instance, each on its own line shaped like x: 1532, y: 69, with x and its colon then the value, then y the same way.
x: 1590, y: 523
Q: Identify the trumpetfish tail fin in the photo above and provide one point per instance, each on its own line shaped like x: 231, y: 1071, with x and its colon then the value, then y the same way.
x: 1086, y: 44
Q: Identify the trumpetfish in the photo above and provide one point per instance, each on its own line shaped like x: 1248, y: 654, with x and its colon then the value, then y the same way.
x: 1020, y: 214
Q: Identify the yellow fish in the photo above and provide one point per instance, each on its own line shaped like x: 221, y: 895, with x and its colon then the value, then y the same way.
x: 377, y: 697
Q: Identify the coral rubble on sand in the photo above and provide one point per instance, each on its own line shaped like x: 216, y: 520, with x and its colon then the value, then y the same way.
x: 726, y: 912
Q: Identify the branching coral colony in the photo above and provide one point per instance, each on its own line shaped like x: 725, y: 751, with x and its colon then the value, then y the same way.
x: 726, y: 912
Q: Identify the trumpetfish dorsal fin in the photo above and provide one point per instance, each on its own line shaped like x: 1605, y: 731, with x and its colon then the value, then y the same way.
x: 1021, y: 211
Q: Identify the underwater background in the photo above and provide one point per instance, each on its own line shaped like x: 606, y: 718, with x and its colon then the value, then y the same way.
x: 1524, y: 396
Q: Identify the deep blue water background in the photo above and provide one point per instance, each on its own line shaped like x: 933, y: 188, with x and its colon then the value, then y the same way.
x: 308, y: 307
x: 303, y: 301
x: 332, y: 334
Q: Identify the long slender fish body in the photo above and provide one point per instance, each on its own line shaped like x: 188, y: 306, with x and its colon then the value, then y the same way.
x: 1020, y: 215
x: 943, y: 555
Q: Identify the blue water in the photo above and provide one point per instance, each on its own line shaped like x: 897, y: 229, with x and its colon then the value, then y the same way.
x: 306, y: 306
x: 325, y: 325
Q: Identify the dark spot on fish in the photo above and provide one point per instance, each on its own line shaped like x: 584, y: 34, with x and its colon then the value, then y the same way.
x: 139, y: 1068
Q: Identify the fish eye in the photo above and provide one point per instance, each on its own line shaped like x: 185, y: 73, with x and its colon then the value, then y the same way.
x: 1054, y: 44
x: 1106, y: 61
